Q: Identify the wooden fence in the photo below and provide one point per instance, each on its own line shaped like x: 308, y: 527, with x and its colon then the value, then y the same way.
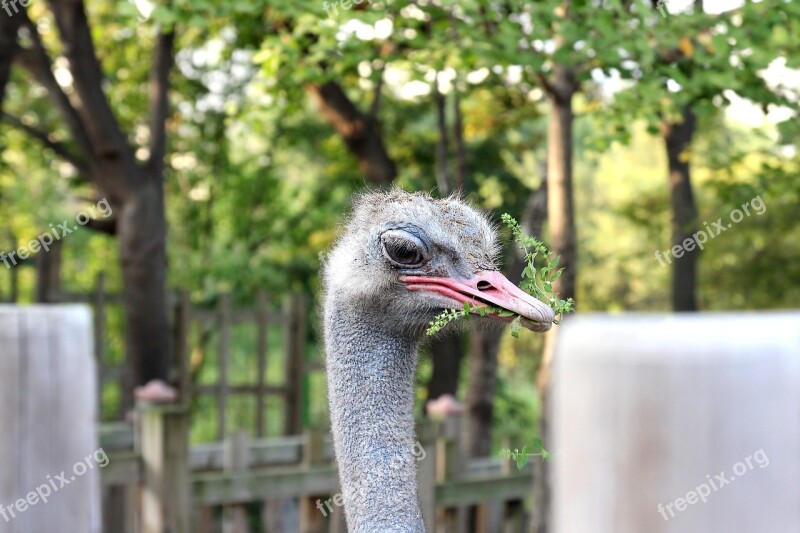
x: 292, y: 317
x: 155, y: 482
x: 194, y: 326
x: 288, y: 484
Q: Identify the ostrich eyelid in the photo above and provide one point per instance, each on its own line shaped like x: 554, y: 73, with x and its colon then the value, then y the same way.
x: 395, y: 238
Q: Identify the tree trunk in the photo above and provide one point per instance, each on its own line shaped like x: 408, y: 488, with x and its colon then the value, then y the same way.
x: 48, y: 273
x: 561, y: 220
x: 560, y: 208
x: 461, y: 148
x: 678, y: 139
x: 141, y: 238
x: 446, y: 356
x: 483, y: 348
x: 442, y: 145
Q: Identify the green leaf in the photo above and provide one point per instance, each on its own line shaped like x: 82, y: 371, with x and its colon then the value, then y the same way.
x: 522, y: 458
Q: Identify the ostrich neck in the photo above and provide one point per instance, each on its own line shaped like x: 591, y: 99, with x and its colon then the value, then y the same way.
x: 371, y: 392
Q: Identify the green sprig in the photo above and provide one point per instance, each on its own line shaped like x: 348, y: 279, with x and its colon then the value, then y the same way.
x: 521, y: 456
x: 537, y: 282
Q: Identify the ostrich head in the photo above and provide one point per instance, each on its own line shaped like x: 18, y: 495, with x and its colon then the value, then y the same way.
x: 402, y: 259
x: 409, y: 256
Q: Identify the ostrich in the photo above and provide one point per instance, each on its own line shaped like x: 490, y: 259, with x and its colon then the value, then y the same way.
x: 401, y: 259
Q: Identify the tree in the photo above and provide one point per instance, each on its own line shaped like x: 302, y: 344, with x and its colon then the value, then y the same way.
x: 698, y: 61
x: 100, y: 151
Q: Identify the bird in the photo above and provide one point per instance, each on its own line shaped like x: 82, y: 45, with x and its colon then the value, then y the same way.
x: 400, y: 259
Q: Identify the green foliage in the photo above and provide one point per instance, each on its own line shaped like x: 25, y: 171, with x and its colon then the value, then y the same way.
x: 448, y: 315
x: 537, y: 282
x: 521, y: 456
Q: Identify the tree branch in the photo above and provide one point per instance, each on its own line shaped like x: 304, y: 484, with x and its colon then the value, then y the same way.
x: 360, y: 132
x: 103, y: 129
x: 103, y: 225
x: 159, y: 102
x: 9, y: 27
x: 545, y: 83
x: 376, y: 99
x: 59, y: 148
x: 37, y: 62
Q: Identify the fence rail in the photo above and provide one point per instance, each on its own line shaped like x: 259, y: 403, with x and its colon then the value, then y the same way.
x: 233, y: 474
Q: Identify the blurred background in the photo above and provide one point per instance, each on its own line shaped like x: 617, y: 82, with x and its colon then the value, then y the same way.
x: 227, y: 140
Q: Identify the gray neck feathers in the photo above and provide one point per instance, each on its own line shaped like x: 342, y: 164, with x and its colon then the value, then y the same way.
x: 370, y: 371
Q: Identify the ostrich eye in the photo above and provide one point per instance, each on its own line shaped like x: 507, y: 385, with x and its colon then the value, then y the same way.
x: 403, y: 250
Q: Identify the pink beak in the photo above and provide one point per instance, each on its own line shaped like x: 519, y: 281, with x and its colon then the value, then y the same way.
x: 488, y: 287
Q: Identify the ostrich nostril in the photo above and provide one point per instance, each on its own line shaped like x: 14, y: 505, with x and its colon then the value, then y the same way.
x: 484, y: 285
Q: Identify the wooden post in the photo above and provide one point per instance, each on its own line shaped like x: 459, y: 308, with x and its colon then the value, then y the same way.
x: 677, y: 423
x: 514, y: 515
x: 451, y: 464
x: 262, y: 352
x: 48, y: 394
x: 338, y: 521
x: 237, y: 459
x: 311, y: 519
x: 223, y: 358
x: 164, y: 449
x: 426, y: 473
x: 295, y: 347
x: 99, y: 304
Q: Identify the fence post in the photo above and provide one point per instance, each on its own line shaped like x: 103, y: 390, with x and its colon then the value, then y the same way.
x: 164, y: 449
x: 295, y: 364
x: 99, y: 318
x: 237, y: 459
x: 426, y: 473
x: 223, y: 358
x: 262, y: 352
x: 451, y: 464
x: 514, y: 515
x: 313, y: 454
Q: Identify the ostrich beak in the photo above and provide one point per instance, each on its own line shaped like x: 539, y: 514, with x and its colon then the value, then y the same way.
x: 488, y: 288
